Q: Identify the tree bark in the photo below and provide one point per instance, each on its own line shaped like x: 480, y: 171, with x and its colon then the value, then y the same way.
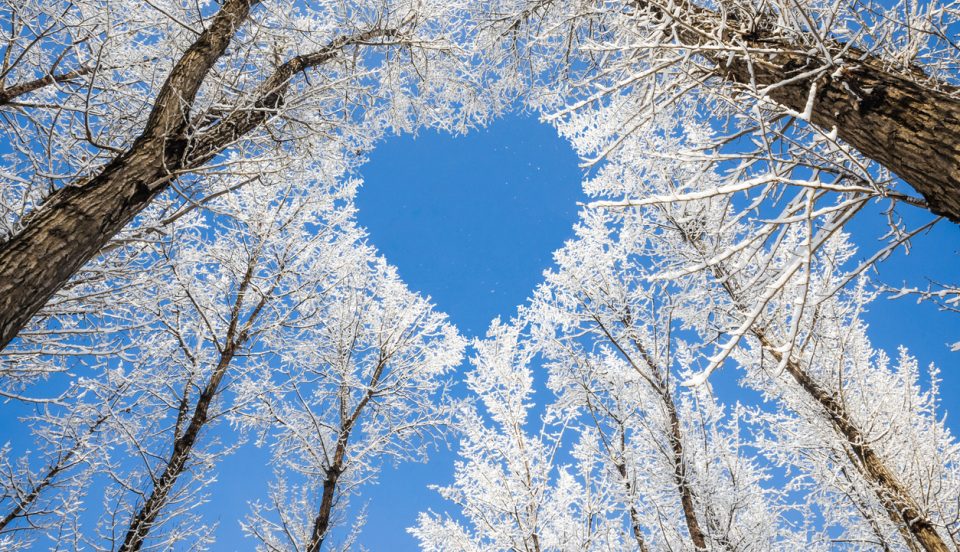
x: 912, y: 130
x: 9, y: 95
x: 687, y: 501
x: 74, y: 224
x: 322, y: 522
x: 237, y: 334
x: 183, y: 445
x: 337, y: 465
x: 897, y: 121
x: 657, y: 380
x: 76, y: 221
x: 635, y: 527
x: 680, y: 476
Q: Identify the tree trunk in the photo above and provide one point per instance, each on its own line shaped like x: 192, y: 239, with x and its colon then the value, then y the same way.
x: 76, y: 221
x: 74, y: 224
x: 892, y: 494
x: 69, y: 229
x: 687, y: 501
x: 680, y: 476
x: 909, y: 128
x: 143, y: 521
x: 635, y: 526
x: 896, y: 499
x: 322, y: 521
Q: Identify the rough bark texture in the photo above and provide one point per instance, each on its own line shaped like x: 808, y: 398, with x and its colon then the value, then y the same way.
x: 76, y: 221
x: 74, y: 224
x: 868, y: 515
x: 910, y: 129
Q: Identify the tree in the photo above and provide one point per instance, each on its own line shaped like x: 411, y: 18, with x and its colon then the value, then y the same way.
x: 623, y: 488
x: 360, y: 380
x: 178, y: 173
x: 509, y: 487
x: 220, y: 282
x: 230, y: 286
x: 237, y: 87
x: 608, y: 338
x: 878, y: 77
x: 778, y: 295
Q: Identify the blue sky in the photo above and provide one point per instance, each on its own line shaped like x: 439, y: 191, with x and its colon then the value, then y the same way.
x: 472, y: 221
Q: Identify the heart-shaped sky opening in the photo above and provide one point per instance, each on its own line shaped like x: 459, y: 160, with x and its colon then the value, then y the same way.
x: 473, y: 220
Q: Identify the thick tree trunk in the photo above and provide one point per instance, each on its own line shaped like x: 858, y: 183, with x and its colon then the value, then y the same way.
x: 68, y: 230
x: 865, y: 512
x: 75, y: 222
x: 72, y: 226
x: 910, y: 129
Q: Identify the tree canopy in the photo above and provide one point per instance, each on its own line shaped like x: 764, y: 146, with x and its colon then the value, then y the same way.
x: 179, y: 248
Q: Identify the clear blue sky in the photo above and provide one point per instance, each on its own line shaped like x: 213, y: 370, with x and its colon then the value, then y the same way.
x: 472, y: 221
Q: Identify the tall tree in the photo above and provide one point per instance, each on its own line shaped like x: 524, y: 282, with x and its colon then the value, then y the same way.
x: 228, y: 287
x: 605, y: 465
x: 616, y: 367
x: 509, y: 488
x: 788, y: 84
x: 220, y: 282
x: 232, y: 86
x: 361, y: 380
x: 776, y: 293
